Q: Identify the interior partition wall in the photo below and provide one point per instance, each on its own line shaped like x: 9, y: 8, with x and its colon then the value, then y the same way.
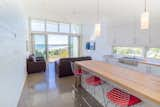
x: 54, y: 40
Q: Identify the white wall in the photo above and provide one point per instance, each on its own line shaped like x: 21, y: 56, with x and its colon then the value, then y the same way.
x: 123, y: 25
x: 103, y: 45
x: 121, y: 34
x: 12, y: 52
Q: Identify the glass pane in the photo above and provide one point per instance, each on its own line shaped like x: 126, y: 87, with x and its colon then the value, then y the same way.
x: 57, y: 47
x: 57, y: 39
x: 75, y: 28
x: 64, y: 28
x: 52, y: 27
x: 74, y: 46
x: 37, y: 25
x: 128, y: 51
x: 153, y: 53
x: 39, y: 45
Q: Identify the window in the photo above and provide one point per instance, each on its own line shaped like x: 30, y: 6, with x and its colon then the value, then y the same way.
x: 74, y: 46
x: 52, y: 27
x: 75, y: 28
x: 58, y: 39
x: 153, y: 53
x: 64, y: 28
x: 37, y: 25
x: 55, y: 40
x: 128, y: 51
x: 39, y: 45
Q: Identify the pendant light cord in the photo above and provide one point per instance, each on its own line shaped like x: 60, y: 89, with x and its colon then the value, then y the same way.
x: 149, y: 9
x: 145, y: 8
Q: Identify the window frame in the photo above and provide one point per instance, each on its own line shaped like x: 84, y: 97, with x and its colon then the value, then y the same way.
x: 69, y: 29
x: 54, y: 23
x: 31, y: 29
x: 78, y: 28
x: 31, y: 33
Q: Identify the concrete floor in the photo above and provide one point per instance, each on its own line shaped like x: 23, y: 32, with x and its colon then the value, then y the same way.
x: 46, y: 90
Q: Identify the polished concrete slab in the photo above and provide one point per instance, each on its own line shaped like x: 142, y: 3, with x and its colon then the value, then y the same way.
x: 47, y: 90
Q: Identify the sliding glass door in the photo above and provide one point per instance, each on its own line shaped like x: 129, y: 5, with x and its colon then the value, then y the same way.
x: 74, y: 46
x: 57, y: 47
x: 54, y: 40
x: 39, y: 46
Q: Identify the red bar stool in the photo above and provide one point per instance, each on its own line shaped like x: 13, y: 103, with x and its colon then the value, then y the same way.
x: 78, y: 72
x: 121, y: 98
x: 96, y: 81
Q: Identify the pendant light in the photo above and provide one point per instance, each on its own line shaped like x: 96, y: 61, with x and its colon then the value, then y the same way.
x: 145, y: 18
x: 98, y: 25
x: 97, y: 29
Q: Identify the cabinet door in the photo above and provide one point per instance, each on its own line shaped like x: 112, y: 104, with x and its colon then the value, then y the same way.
x: 142, y: 67
x: 127, y: 66
x: 113, y: 61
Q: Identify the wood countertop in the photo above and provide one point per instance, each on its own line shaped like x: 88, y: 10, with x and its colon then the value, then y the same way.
x: 145, y: 85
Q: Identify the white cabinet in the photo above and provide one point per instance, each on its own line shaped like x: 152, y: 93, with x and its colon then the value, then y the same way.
x: 155, y: 70
x: 113, y: 61
x: 127, y: 66
x: 139, y: 68
x: 142, y: 67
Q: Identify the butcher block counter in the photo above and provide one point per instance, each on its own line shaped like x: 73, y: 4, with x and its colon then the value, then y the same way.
x: 139, y: 83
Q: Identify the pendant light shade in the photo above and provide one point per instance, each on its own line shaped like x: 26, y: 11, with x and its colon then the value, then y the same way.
x: 98, y: 25
x: 97, y: 30
x: 145, y: 20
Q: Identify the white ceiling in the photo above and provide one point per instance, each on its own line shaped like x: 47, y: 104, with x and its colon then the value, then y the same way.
x: 84, y: 11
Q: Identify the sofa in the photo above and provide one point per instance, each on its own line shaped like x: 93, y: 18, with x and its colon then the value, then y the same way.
x: 36, y: 64
x: 63, y: 66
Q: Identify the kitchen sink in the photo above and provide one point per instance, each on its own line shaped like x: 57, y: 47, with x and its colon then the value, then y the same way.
x: 129, y: 60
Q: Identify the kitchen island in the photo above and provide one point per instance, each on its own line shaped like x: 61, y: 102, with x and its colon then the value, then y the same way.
x: 144, y: 86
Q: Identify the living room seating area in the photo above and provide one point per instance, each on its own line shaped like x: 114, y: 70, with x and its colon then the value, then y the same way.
x: 36, y: 64
x: 63, y: 65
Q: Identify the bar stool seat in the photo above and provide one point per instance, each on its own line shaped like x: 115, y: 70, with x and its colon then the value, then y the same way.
x: 78, y: 72
x: 121, y: 98
x: 94, y: 81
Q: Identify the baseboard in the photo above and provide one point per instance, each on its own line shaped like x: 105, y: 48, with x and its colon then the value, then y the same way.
x: 21, y: 89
